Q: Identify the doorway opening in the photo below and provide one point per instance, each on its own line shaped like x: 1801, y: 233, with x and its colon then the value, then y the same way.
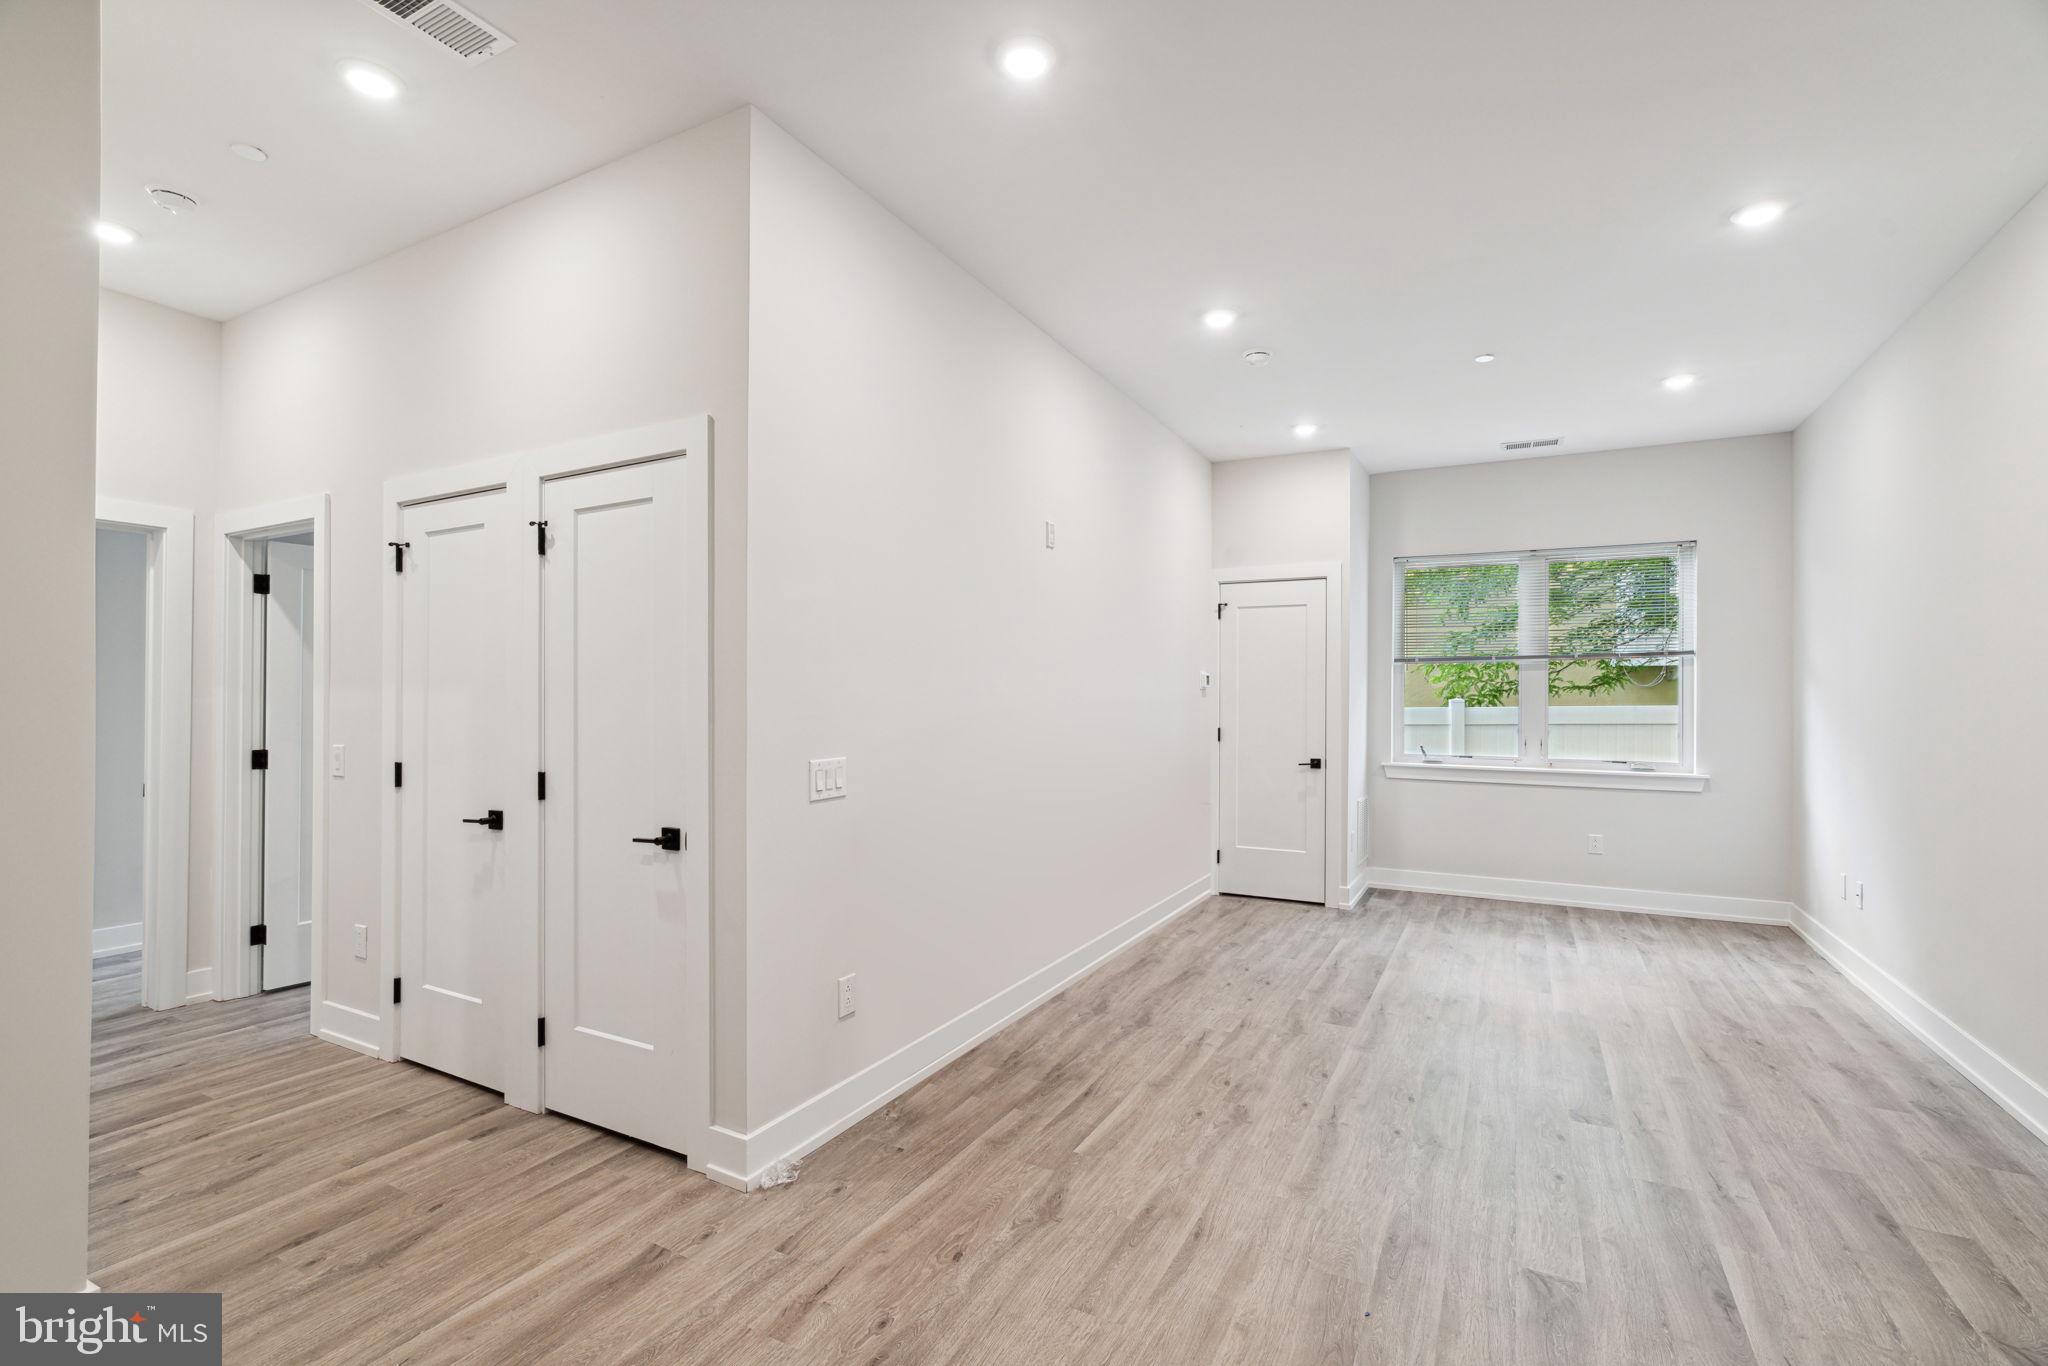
x: 143, y: 756
x: 275, y: 764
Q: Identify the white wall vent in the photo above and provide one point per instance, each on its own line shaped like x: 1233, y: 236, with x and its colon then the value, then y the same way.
x: 1534, y: 444
x: 450, y: 25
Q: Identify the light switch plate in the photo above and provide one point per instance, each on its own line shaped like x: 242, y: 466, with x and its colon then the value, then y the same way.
x: 362, y: 941
x: 337, y: 757
x: 828, y: 779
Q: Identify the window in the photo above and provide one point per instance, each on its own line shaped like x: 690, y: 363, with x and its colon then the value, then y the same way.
x: 1557, y: 659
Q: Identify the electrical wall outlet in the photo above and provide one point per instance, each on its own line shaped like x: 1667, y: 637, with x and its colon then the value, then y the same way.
x: 846, y: 996
x: 828, y: 779
x: 362, y: 941
x: 1859, y: 896
x: 1596, y: 844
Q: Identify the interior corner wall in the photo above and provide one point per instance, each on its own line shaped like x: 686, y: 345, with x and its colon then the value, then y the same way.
x: 1357, y: 679
x: 49, y: 277
x: 1022, y: 724
x: 1919, y: 491
x: 159, y: 442
x: 611, y: 301
x: 1732, y: 840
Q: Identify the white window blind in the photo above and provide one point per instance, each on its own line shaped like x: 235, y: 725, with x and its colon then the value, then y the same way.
x: 1602, y: 602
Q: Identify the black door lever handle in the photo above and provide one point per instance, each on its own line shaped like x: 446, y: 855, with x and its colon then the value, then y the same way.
x: 670, y: 838
x: 1310, y: 763
x: 490, y: 820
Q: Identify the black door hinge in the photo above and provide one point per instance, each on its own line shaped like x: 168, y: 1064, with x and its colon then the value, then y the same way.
x: 398, y: 549
x: 259, y: 758
x: 396, y: 993
x: 1219, y: 856
x: 1219, y: 735
x: 543, y: 1031
x: 540, y: 536
x: 1219, y: 610
x: 542, y: 785
x: 397, y: 774
x: 260, y: 584
x: 259, y: 935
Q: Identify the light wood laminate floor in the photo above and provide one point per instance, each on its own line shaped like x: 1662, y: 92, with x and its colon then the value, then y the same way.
x: 1430, y: 1130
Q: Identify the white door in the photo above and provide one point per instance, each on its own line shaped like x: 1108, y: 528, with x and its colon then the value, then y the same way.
x: 1275, y: 769
x: 288, y: 782
x: 614, y: 660
x: 458, y: 869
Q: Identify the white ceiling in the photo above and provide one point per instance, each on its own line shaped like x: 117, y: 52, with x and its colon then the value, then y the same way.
x: 1383, y: 189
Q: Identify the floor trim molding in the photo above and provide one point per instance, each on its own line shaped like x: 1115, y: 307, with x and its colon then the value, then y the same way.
x: 831, y: 1112
x: 108, y: 940
x: 199, y: 985
x: 1741, y: 910
x: 2025, y: 1099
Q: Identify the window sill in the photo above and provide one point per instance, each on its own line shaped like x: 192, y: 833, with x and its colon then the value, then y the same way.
x: 1660, y: 780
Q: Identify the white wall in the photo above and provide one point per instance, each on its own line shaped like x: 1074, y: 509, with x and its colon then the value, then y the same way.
x: 1359, y: 617
x: 1732, y: 840
x: 159, y: 442
x: 49, y: 145
x: 615, y: 300
x: 120, y: 590
x: 1919, y: 491
x: 1023, y: 727
x: 1283, y: 509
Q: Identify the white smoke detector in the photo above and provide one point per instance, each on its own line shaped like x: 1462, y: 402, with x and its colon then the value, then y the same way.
x: 1257, y: 357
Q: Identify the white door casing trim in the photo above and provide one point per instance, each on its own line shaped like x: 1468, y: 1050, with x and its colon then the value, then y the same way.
x: 522, y: 474
x: 1337, y: 795
x: 237, y: 970
x: 167, y: 762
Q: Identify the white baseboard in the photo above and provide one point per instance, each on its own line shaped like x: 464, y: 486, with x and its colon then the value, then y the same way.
x: 347, y: 1026
x: 2025, y: 1099
x: 199, y: 984
x: 1743, y: 910
x: 1353, y: 891
x: 108, y: 940
x: 838, y: 1108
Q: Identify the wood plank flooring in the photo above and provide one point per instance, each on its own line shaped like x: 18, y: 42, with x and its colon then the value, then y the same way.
x: 1432, y: 1130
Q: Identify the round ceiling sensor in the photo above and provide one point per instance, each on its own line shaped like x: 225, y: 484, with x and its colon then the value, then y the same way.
x: 1257, y: 357
x: 171, y: 200
x: 248, y: 151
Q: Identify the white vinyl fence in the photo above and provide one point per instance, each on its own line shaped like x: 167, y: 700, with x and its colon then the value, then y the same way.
x: 1626, y: 734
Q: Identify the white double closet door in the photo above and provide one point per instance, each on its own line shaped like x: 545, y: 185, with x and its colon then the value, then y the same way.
x: 602, y: 852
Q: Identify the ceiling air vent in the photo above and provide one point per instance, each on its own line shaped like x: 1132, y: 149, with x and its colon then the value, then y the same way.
x: 453, y: 27
x: 1535, y: 444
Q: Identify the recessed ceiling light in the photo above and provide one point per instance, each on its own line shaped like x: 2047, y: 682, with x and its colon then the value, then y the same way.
x: 171, y: 201
x: 1025, y: 59
x: 1306, y: 429
x: 1219, y: 319
x: 248, y: 151
x: 1257, y: 357
x: 1677, y: 382
x: 371, y: 82
x: 1484, y: 358
x: 1758, y: 215
x: 112, y: 233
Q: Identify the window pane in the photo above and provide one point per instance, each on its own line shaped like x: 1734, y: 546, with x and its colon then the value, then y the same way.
x: 1461, y: 711
x: 1459, y: 611
x: 1628, y: 604
x: 1620, y: 711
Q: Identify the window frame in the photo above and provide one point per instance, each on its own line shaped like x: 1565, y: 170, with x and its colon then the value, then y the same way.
x: 1532, y: 755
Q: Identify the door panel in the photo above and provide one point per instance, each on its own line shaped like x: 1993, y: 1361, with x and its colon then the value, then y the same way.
x: 1272, y: 691
x: 614, y: 655
x: 288, y: 782
x: 457, y: 878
